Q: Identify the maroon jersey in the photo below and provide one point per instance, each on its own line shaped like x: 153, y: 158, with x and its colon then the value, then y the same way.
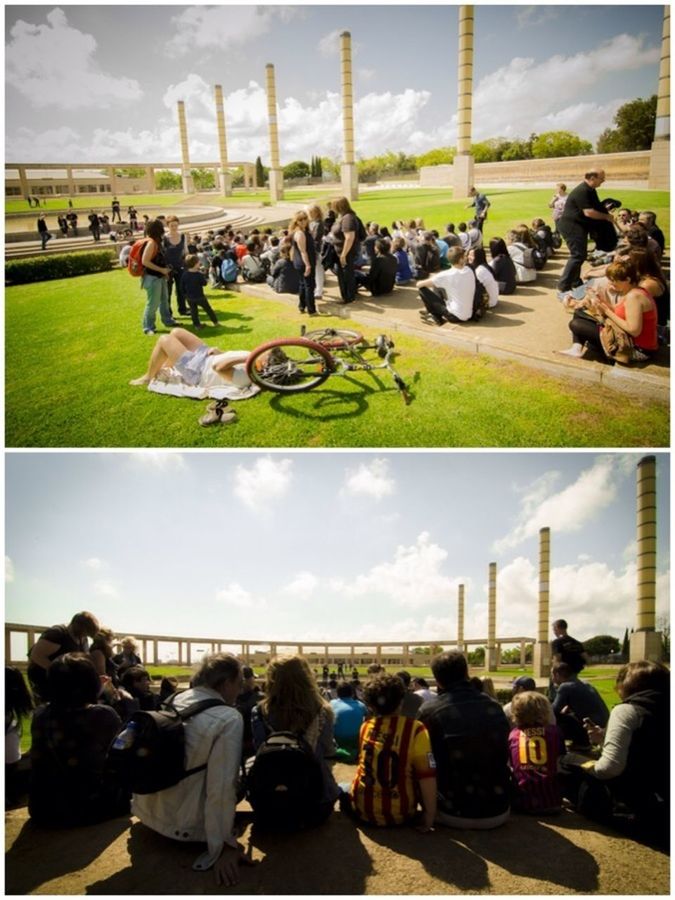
x: 534, y: 754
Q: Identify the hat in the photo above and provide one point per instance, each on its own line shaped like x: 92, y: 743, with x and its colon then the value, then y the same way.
x: 524, y: 682
x: 247, y: 672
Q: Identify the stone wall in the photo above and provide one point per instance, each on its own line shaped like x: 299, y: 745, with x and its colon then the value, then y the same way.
x: 570, y: 169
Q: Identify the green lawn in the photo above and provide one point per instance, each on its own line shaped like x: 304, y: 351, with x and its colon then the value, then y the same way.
x: 72, y: 346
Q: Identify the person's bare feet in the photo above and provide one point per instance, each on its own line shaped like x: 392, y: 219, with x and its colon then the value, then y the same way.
x: 140, y: 381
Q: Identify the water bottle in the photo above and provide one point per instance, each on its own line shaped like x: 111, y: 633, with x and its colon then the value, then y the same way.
x: 126, y: 738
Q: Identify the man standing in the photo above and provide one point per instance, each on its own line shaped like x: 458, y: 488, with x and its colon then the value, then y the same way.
x: 201, y: 807
x: 583, y: 210
x: 482, y: 204
x: 94, y: 225
x: 469, y: 739
x: 567, y: 649
x: 116, y: 210
x: 43, y: 230
x: 55, y: 642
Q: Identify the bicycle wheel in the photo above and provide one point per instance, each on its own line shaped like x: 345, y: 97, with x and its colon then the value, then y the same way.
x: 289, y: 365
x: 334, y: 337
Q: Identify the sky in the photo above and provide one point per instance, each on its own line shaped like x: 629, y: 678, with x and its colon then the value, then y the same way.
x: 325, y: 545
x: 100, y: 83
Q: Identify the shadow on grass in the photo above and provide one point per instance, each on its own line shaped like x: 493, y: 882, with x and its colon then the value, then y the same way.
x: 335, y: 404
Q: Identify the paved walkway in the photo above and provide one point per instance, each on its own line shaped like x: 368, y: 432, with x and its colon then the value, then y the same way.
x: 527, y: 327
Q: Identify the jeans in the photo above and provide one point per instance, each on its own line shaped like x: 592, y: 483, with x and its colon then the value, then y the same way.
x: 157, y: 298
x: 174, y: 278
x: 576, y: 240
x: 306, y: 291
x: 44, y: 237
x: 436, y: 306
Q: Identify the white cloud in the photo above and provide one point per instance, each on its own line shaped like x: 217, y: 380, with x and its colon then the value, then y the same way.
x: 235, y: 595
x: 106, y: 589
x: 531, y: 16
x: 413, y: 578
x: 54, y: 65
x: 370, y: 479
x: 222, y: 27
x: 566, y: 510
x: 158, y: 461
x: 498, y: 107
x: 302, y: 587
x: 9, y: 570
x: 267, y: 480
x: 93, y: 563
x: 329, y: 44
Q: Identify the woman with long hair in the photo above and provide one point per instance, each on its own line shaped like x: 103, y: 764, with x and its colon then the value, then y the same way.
x: 503, y: 267
x: 293, y: 702
x: 174, y: 245
x: 154, y: 280
x: 304, y: 260
x: 317, y: 231
x: 345, y: 240
x: 484, y: 273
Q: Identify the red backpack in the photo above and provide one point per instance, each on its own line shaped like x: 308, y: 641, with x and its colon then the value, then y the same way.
x: 135, y: 265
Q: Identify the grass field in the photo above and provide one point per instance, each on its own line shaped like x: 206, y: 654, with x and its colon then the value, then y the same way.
x: 72, y: 346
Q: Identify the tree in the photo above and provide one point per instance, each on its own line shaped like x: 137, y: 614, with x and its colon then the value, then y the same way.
x: 259, y: 171
x: 559, y: 143
x: 476, y: 657
x: 441, y: 156
x: 238, y: 177
x: 602, y: 645
x: 634, y: 127
x: 663, y: 625
x: 518, y: 149
x: 330, y: 166
x: 130, y: 172
x: 165, y: 180
x: 296, y: 169
x: 625, y: 646
x: 204, y: 179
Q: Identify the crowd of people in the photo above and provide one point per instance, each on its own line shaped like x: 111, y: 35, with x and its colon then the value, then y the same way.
x: 449, y: 755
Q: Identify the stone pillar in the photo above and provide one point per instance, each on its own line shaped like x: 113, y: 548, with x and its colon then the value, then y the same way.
x: 188, y: 186
x: 462, y: 170
x: 223, y: 178
x: 491, y: 661
x: 659, y: 161
x: 150, y: 178
x: 180, y: 653
x: 460, y: 618
x: 276, y: 175
x: 348, y: 170
x: 8, y: 647
x: 542, y: 647
x: 155, y: 653
x: 71, y: 181
x: 523, y: 654
x: 23, y: 181
x: 646, y: 642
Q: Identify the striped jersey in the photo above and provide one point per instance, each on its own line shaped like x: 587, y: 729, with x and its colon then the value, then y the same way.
x: 534, y: 756
x: 394, y: 754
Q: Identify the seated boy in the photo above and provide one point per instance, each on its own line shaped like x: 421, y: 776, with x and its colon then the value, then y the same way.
x: 534, y: 749
x: 384, y: 791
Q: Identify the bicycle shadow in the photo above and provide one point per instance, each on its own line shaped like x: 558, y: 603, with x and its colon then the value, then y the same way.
x: 329, y: 404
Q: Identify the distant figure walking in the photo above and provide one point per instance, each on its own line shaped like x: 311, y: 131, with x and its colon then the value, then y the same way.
x: 43, y: 230
x: 482, y: 204
x: 116, y: 210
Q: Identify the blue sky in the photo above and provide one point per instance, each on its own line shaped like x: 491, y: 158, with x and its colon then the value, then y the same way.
x: 323, y: 545
x: 86, y: 83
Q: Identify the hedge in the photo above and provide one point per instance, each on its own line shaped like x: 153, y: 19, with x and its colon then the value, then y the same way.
x: 58, y: 265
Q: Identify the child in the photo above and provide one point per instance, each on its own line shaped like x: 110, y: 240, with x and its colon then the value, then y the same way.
x: 383, y: 791
x: 534, y: 748
x: 192, y: 285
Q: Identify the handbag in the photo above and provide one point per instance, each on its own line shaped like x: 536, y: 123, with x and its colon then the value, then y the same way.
x: 617, y: 344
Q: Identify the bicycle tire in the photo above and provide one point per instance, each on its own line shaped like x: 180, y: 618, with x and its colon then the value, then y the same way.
x: 334, y: 338
x: 304, y: 366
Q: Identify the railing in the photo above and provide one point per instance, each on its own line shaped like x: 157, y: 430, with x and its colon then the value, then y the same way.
x: 258, y: 652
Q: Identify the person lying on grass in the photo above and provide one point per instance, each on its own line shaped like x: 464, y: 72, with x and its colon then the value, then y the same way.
x: 198, y: 364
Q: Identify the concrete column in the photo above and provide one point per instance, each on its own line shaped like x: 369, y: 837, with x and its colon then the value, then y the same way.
x: 460, y: 617
x: 646, y: 642
x: 542, y: 647
x: 71, y: 181
x: 155, y: 653
x: 523, y: 655
x: 276, y: 173
x: 150, y: 178
x: 8, y: 647
x: 463, y: 164
x: 180, y: 653
x: 113, y: 180
x: 659, y: 162
x: 348, y: 170
x: 491, y: 660
x: 23, y: 181
x: 223, y: 177
x: 188, y: 186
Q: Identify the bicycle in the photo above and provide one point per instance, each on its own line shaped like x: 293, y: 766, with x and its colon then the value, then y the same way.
x: 294, y: 365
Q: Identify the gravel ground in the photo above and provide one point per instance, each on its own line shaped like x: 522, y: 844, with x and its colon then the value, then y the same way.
x: 561, y: 855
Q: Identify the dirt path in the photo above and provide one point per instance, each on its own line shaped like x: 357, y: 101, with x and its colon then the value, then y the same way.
x: 563, y: 855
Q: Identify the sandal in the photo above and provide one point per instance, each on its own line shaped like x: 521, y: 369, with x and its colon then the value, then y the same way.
x: 217, y: 412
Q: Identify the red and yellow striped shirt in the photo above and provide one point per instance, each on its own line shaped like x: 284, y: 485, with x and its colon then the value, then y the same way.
x: 394, y: 754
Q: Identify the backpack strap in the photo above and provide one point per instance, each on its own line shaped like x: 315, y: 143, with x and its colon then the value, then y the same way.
x: 193, y: 710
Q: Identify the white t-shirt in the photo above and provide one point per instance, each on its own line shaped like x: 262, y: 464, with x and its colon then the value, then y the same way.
x: 487, y: 279
x: 459, y: 286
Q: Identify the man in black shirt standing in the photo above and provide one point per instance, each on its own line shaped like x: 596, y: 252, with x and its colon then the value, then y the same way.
x: 582, y: 212
x: 567, y: 649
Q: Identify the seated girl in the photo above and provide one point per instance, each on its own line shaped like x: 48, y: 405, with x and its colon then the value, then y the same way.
x: 70, y: 740
x: 181, y: 360
x: 503, y: 267
x: 534, y: 748
x: 635, y: 314
x: 384, y: 792
x: 484, y: 273
x: 520, y: 251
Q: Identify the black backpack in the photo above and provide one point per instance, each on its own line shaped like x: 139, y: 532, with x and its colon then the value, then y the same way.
x: 539, y: 257
x: 361, y: 232
x: 285, y: 783
x: 148, y: 755
x: 481, y: 301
